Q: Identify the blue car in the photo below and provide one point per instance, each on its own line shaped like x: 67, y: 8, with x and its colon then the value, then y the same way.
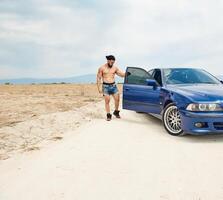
x: 187, y: 100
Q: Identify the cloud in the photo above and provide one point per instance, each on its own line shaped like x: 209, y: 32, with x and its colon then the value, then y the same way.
x: 67, y: 38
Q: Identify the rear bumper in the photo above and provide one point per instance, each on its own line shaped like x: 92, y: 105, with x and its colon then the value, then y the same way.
x: 213, y: 122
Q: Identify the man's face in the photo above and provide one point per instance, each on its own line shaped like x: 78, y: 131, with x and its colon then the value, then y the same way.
x: 110, y: 63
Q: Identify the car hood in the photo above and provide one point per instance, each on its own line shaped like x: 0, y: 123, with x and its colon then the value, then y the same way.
x: 200, y: 92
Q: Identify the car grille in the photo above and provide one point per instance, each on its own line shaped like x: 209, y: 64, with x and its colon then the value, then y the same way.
x: 218, y: 125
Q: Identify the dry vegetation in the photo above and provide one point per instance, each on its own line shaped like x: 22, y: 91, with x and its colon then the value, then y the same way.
x: 21, y: 102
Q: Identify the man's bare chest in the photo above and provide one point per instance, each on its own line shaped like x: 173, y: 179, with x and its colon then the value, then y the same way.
x: 109, y: 71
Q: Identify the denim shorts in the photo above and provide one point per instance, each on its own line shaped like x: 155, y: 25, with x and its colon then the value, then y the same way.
x: 109, y: 89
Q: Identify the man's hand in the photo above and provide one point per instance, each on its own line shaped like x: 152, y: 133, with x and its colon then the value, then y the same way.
x: 128, y: 73
x: 100, y: 91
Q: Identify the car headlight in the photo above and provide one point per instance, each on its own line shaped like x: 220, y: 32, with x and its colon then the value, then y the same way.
x: 204, y: 107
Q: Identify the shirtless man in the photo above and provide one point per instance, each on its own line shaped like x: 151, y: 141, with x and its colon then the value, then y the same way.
x: 106, y: 73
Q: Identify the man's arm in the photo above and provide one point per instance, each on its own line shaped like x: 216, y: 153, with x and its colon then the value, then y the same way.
x: 99, y: 77
x: 120, y: 73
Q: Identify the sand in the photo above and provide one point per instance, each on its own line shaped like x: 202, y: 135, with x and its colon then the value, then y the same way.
x: 31, y: 115
x: 22, y: 102
x: 125, y: 159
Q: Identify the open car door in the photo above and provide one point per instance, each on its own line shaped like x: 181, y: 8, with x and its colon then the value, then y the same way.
x: 141, y: 92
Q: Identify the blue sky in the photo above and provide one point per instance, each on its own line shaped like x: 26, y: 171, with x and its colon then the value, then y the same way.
x: 63, y: 38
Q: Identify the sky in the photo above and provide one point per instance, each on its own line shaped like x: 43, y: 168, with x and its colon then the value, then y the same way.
x: 65, y: 38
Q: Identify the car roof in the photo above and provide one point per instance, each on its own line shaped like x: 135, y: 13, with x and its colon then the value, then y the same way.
x: 162, y: 68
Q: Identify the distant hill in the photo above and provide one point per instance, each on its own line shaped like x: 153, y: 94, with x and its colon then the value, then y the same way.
x: 88, y: 78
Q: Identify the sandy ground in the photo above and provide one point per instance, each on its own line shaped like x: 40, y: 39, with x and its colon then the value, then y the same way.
x: 22, y: 102
x: 132, y: 158
x: 34, y: 114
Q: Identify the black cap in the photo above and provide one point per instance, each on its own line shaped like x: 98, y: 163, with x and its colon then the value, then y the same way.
x: 110, y: 57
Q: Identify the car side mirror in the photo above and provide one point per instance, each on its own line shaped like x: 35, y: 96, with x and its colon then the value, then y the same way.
x: 221, y: 81
x: 151, y: 82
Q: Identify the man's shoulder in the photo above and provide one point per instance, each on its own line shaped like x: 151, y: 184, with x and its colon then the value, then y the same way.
x: 116, y: 67
x: 102, y: 67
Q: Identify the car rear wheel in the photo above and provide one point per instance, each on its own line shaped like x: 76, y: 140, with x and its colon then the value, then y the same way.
x: 171, y: 120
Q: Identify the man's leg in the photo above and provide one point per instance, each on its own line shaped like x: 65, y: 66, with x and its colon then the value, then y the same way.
x: 107, y: 101
x: 107, y: 107
x: 116, y: 97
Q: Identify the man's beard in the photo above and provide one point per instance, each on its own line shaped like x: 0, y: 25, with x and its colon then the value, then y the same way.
x: 110, y: 65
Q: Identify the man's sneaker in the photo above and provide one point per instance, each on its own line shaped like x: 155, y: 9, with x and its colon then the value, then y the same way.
x: 116, y: 113
x: 109, y: 117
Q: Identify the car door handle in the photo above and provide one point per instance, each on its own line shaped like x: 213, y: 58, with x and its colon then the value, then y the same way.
x: 126, y: 89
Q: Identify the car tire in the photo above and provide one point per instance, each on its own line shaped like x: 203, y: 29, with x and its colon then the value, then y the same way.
x: 171, y: 120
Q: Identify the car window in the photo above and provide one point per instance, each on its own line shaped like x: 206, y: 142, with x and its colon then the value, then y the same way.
x: 137, y: 76
x: 151, y: 72
x: 157, y: 76
x: 188, y: 76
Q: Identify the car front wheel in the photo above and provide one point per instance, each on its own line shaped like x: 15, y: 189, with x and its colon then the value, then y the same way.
x: 171, y: 120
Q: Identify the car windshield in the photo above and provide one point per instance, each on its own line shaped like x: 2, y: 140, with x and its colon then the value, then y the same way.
x: 188, y: 76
